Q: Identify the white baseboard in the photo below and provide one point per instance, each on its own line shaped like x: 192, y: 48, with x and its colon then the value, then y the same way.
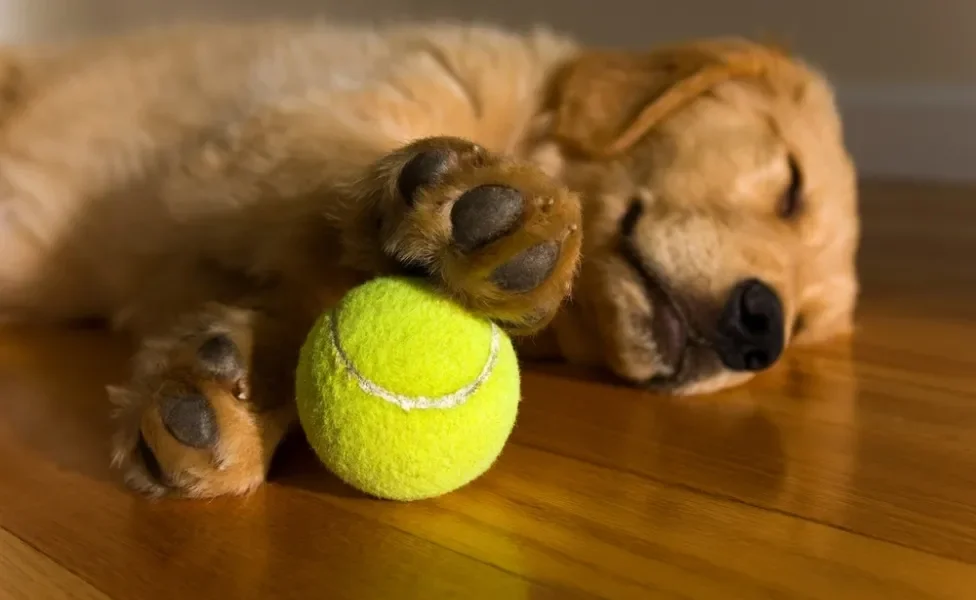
x: 911, y: 132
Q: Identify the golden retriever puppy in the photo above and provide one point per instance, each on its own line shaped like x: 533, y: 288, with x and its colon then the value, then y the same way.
x: 678, y: 215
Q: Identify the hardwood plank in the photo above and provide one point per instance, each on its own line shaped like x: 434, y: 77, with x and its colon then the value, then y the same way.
x: 26, y: 574
x: 886, y: 460
x: 619, y: 535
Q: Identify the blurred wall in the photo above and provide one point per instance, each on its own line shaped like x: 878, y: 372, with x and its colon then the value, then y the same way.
x: 905, y: 69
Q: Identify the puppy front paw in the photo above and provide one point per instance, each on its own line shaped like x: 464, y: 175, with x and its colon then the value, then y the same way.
x: 500, y: 235
x: 186, y: 423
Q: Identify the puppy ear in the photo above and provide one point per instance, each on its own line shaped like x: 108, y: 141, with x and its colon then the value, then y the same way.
x: 603, y: 102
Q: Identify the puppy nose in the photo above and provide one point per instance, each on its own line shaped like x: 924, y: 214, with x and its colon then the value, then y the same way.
x: 750, y: 329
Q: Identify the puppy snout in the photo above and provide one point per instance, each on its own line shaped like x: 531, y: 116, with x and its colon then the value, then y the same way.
x: 751, y: 328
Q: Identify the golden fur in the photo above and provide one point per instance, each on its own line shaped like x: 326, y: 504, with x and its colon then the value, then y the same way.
x: 211, y: 189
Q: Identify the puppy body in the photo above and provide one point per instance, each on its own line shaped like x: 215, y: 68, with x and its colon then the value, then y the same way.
x: 157, y: 155
x: 213, y: 188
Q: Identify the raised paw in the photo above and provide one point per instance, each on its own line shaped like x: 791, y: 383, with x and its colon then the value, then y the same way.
x: 186, y: 422
x: 500, y: 235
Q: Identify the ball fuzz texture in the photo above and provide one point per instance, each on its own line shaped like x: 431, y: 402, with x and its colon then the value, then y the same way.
x: 403, y: 394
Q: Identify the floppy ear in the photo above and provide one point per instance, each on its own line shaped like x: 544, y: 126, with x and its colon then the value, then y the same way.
x: 603, y: 102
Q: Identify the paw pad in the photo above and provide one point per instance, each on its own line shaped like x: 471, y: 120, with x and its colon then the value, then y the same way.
x: 528, y: 269
x: 219, y: 355
x: 190, y: 420
x: 484, y: 214
x: 424, y: 169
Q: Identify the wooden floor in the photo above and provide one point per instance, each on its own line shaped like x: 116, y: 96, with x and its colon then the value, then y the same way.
x: 846, y: 472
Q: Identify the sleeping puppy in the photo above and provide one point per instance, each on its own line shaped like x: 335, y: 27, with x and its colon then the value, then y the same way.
x: 678, y: 216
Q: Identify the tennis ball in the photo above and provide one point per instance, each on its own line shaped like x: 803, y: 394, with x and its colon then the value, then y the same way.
x: 403, y: 394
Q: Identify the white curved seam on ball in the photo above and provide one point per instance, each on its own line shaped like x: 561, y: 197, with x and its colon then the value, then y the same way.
x: 405, y: 402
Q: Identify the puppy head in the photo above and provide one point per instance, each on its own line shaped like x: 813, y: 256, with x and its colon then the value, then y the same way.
x: 719, y: 210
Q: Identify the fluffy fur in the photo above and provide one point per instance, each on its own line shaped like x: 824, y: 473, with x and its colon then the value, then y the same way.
x: 227, y: 183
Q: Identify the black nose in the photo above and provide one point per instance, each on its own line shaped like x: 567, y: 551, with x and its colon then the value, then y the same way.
x: 750, y: 330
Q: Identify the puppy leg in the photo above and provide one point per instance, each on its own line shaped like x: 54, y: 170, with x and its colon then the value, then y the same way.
x: 497, y: 233
x: 208, y: 403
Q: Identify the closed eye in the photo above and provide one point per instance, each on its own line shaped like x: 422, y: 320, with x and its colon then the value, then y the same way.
x: 791, y: 200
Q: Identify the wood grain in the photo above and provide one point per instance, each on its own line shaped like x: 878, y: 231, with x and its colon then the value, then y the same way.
x: 26, y: 574
x: 848, y: 471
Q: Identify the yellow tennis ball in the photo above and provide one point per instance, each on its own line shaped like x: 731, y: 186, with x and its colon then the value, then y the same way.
x: 405, y: 395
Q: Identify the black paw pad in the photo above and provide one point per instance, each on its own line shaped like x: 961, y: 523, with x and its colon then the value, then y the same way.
x: 219, y: 355
x: 528, y: 269
x: 190, y: 419
x: 423, y: 169
x: 483, y: 214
